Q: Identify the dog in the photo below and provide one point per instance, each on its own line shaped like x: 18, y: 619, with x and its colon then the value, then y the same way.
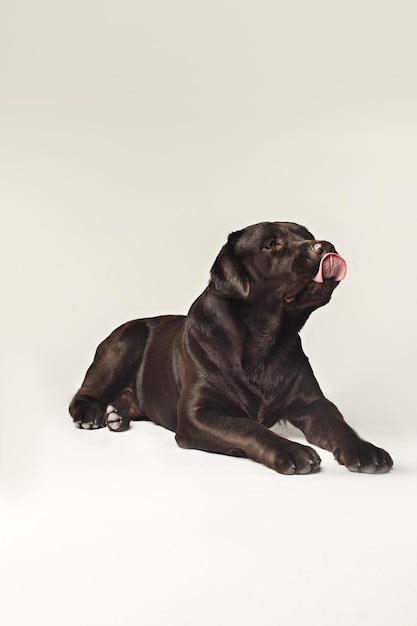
x: 222, y: 375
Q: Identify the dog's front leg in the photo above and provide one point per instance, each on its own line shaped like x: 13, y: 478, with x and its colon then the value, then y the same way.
x: 324, y: 426
x: 213, y: 431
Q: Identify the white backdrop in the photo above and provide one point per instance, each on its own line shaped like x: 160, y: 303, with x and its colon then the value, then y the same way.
x: 134, y: 137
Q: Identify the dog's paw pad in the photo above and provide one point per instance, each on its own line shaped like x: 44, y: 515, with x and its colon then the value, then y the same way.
x: 115, y: 421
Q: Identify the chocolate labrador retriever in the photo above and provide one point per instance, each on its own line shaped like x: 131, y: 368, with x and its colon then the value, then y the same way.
x: 234, y: 366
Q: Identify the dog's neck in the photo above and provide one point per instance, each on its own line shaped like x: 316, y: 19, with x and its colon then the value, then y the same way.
x: 265, y: 328
x: 270, y: 326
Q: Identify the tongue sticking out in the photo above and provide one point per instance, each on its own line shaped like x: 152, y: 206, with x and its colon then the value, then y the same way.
x: 331, y: 266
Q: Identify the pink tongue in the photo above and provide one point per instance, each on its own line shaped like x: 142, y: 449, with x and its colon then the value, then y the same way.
x: 331, y: 266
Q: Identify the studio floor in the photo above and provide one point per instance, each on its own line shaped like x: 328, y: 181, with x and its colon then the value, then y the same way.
x: 105, y: 528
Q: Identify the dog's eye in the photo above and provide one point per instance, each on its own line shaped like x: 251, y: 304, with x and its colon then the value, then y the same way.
x: 273, y: 244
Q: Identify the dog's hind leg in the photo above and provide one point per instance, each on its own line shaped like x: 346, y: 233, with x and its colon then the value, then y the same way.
x: 107, y: 381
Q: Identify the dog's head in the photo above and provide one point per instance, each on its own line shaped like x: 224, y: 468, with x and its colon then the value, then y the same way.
x: 277, y: 261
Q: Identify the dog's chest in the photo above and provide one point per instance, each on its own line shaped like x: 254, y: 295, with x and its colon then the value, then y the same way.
x: 270, y: 381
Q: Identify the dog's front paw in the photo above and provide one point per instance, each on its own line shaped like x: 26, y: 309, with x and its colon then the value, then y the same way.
x: 362, y: 456
x: 296, y: 459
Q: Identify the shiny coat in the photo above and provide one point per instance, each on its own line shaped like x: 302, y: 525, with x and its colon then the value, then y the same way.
x: 221, y: 376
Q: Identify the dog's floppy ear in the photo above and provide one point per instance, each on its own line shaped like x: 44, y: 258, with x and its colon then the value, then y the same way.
x: 227, y: 278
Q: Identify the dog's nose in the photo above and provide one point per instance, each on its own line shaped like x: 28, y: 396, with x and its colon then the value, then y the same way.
x: 322, y: 247
x: 318, y: 248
